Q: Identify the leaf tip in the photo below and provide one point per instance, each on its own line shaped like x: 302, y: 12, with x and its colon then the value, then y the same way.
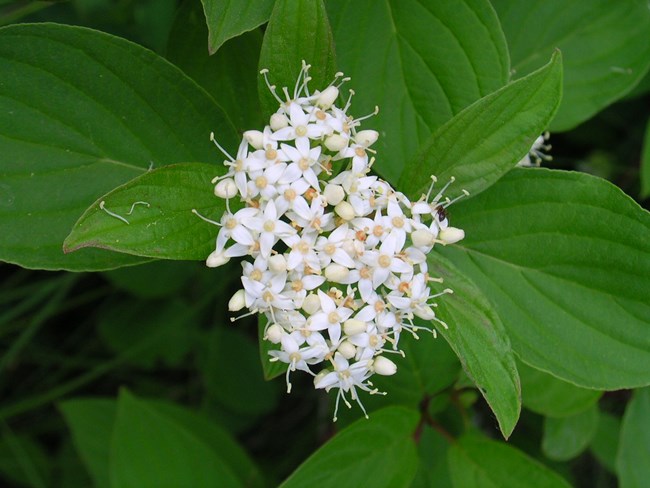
x: 68, y: 246
x: 557, y: 54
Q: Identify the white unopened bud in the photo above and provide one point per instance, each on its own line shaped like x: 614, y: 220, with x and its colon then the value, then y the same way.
x: 226, y: 188
x: 336, y: 142
x: 277, y: 263
x: 336, y: 273
x: 424, y: 312
x: 278, y: 121
x: 347, y: 349
x: 237, y: 301
x: 274, y: 333
x: 327, y: 97
x: 216, y: 258
x: 319, y: 377
x: 422, y: 238
x: 353, y: 327
x: 344, y: 210
x: 451, y: 235
x: 334, y: 194
x: 311, y: 304
x: 255, y: 138
x: 366, y: 137
x: 384, y: 366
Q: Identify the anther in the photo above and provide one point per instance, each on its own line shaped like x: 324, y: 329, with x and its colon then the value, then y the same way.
x: 451, y: 202
x: 437, y: 197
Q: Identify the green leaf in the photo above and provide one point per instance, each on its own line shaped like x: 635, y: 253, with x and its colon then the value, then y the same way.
x: 550, y: 396
x: 564, y: 258
x: 604, y: 44
x: 476, y: 334
x: 230, y: 76
x: 298, y: 31
x: 645, y: 163
x: 152, y: 448
x: 482, y: 463
x: 487, y: 139
x: 158, y: 208
x: 224, y: 349
x: 634, y: 450
x: 84, y: 112
x: 229, y: 18
x: 604, y: 445
x: 420, y: 61
x: 215, y: 437
x: 91, y: 423
x: 434, y: 469
x: 377, y: 452
x: 565, y: 438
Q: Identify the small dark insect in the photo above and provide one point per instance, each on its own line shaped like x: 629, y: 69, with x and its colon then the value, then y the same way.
x: 441, y: 213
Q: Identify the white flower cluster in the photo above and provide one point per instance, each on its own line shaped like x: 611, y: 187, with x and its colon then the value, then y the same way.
x: 339, y: 264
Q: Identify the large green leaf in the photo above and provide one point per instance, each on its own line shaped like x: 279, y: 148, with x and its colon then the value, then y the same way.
x: 565, y: 259
x: 482, y: 463
x: 550, y: 396
x: 634, y: 450
x: 229, y: 18
x: 604, y: 44
x: 476, y: 334
x: 230, y: 76
x: 158, y: 445
x: 91, y: 422
x: 487, y: 139
x: 213, y: 436
x: 434, y: 468
x: 420, y: 61
x: 163, y: 224
x: 84, y: 112
x: 378, y: 452
x: 298, y: 31
x: 565, y: 438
